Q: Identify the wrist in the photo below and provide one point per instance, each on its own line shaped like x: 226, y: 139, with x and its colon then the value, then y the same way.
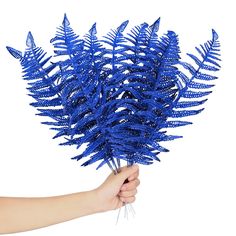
x: 80, y: 204
x: 99, y: 203
x: 92, y: 202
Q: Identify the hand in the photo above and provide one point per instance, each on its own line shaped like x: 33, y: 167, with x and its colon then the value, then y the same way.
x: 45, y: 211
x: 113, y: 193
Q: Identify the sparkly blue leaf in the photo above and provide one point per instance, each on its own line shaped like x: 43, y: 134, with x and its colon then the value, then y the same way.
x: 196, y: 85
x: 15, y: 53
x: 46, y: 103
x: 66, y: 21
x: 174, y: 124
x: 152, y: 32
x: 183, y: 113
x: 96, y: 157
x: 185, y: 104
x: 193, y: 94
x: 122, y: 27
x: 170, y: 137
x: 30, y: 41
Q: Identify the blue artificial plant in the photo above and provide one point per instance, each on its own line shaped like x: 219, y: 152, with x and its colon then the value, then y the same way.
x: 118, y: 94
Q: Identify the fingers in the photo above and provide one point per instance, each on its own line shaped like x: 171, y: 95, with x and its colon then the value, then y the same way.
x: 134, y: 176
x: 127, y: 172
x: 127, y: 194
x: 128, y: 191
x: 130, y: 185
x: 127, y: 200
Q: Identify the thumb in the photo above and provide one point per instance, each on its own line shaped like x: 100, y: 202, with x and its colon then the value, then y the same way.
x: 126, y: 172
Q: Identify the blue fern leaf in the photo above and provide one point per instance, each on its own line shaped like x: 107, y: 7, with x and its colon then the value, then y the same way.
x: 118, y: 95
x: 157, y: 146
x: 174, y: 124
x: 209, y: 53
x: 144, y: 118
x: 15, y: 53
x: 42, y: 85
x: 185, y: 104
x: 91, y: 42
x: 193, y: 94
x: 151, y: 33
x: 122, y: 27
x: 183, y: 113
x: 115, y: 37
x: 103, y: 162
x: 115, y: 40
x: 66, y: 42
x: 47, y: 103
x: 137, y: 38
x: 164, y: 137
x: 99, y: 156
x: 30, y: 41
x: 197, y: 85
x: 76, y: 72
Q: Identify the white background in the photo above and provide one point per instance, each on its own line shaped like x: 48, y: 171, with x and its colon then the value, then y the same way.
x: 191, y: 192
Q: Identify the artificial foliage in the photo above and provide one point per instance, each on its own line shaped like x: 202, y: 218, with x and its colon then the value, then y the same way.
x: 118, y: 94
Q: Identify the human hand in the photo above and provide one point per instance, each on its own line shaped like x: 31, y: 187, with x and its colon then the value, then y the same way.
x: 44, y: 211
x: 113, y: 193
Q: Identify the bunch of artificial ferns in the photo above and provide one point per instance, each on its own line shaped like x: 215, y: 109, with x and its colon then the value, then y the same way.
x: 118, y: 94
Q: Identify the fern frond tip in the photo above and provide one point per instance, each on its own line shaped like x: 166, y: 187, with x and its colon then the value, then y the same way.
x: 30, y: 40
x: 215, y: 36
x: 14, y: 52
x: 66, y: 22
x: 93, y: 29
x: 156, y: 24
x: 122, y: 27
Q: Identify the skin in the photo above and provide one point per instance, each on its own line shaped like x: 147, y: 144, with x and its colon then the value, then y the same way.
x: 23, y: 214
